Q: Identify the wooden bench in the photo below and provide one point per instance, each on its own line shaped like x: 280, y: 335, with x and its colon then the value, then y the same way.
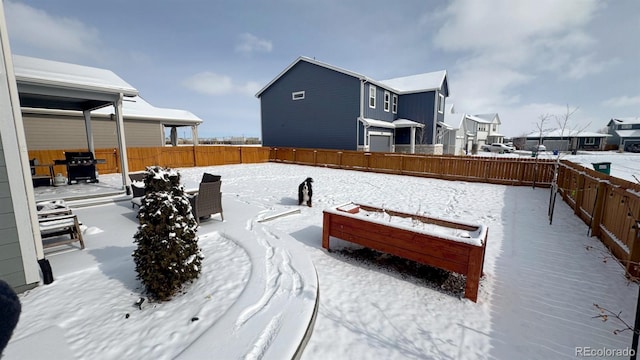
x: 463, y: 255
x: 54, y: 227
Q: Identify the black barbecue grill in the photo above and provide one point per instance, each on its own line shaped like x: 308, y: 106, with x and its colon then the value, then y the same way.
x: 80, y: 166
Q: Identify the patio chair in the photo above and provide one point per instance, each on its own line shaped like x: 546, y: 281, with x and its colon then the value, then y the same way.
x: 208, y: 200
x: 137, y: 188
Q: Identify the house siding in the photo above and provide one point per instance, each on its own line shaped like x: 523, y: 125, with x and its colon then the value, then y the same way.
x: 46, y: 132
x: 11, y: 269
x: 325, y: 118
x: 418, y: 107
x: 378, y: 112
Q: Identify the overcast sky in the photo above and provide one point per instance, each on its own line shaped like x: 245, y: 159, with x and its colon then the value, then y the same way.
x: 521, y: 59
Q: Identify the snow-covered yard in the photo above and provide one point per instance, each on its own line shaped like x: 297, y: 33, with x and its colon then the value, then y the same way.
x: 535, y: 302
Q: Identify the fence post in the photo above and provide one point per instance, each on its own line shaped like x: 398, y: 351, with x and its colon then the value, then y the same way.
x: 315, y: 157
x: 596, y: 217
x: 195, y: 156
x: 340, y: 159
x: 578, y: 194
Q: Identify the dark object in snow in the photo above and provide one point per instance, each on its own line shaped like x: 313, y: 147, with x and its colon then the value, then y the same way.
x: 10, y: 309
x: 305, y: 192
x: 126, y: 316
x: 47, y: 272
x: 139, y: 303
x: 167, y: 254
x: 195, y: 318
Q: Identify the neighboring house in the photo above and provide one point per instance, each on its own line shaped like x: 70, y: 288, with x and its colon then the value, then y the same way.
x: 312, y: 104
x: 51, y: 128
x: 625, y: 133
x: 560, y: 140
x: 471, y: 131
x: 489, y: 124
x: 455, y: 137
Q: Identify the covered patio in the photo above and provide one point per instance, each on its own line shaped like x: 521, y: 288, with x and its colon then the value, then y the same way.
x: 45, y: 84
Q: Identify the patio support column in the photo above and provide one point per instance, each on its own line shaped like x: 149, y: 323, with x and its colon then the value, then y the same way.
x: 412, y: 140
x: 87, y: 127
x: 194, y: 132
x: 124, y: 163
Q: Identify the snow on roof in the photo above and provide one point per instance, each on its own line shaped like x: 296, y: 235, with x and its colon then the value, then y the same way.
x: 408, y: 84
x: 479, y: 119
x: 418, y: 83
x: 377, y: 123
x: 628, y: 133
x: 138, y: 108
x: 54, y: 73
x: 405, y: 123
x: 488, y: 117
x: 627, y: 120
x: 565, y: 133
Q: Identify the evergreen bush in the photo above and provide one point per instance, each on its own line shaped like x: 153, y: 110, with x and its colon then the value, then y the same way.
x: 167, y: 255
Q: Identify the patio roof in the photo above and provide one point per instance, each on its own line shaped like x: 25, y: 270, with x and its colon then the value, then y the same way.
x: 57, y: 85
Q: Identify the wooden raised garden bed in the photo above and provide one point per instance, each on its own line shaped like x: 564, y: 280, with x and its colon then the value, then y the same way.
x: 453, y: 246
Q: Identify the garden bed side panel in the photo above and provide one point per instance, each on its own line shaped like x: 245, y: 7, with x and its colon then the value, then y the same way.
x: 427, y: 249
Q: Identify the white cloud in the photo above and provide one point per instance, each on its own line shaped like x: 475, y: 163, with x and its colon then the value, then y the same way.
x: 500, y: 24
x: 623, y: 101
x: 524, y: 35
x: 59, y: 37
x: 249, y: 43
x: 210, y: 83
x: 586, y: 65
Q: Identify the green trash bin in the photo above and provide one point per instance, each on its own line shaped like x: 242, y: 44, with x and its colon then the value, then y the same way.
x: 603, y: 167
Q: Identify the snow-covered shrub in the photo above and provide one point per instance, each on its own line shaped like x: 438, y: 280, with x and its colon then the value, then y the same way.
x: 167, y: 255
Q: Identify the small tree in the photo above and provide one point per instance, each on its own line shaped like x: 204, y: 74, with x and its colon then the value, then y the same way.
x: 167, y: 255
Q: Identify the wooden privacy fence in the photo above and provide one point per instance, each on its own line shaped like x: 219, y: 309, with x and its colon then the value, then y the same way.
x: 506, y: 171
x: 609, y: 206
x: 173, y: 157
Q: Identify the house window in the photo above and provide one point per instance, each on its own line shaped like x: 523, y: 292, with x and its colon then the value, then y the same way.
x: 372, y: 96
x: 626, y: 126
x: 387, y: 101
x: 394, y: 105
x: 440, y: 103
x: 590, y: 141
x: 298, y: 95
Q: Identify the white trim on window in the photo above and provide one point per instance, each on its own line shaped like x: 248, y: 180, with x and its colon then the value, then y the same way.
x: 297, y: 95
x: 590, y: 141
x: 387, y: 101
x: 372, y: 96
x: 440, y: 103
x: 394, y: 104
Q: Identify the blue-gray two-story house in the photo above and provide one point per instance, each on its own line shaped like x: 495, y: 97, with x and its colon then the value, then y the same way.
x: 625, y: 133
x: 311, y: 104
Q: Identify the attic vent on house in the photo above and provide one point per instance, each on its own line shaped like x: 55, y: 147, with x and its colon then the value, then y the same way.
x: 298, y: 95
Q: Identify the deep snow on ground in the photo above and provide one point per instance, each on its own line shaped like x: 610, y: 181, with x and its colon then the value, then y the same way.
x: 535, y: 301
